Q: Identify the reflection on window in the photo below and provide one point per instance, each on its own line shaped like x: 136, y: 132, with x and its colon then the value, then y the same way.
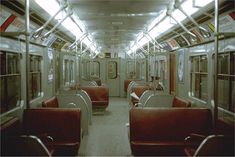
x: 68, y: 71
x: 160, y: 69
x: 226, y: 81
x: 10, y: 80
x: 198, y: 81
x: 163, y: 71
x: 84, y: 69
x: 35, y: 77
x: 94, y: 70
x: 133, y: 70
x: 112, y: 69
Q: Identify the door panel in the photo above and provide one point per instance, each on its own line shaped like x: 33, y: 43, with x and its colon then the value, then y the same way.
x: 113, y: 79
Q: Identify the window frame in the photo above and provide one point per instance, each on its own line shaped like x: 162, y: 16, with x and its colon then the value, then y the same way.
x: 198, y: 74
x: 230, y: 77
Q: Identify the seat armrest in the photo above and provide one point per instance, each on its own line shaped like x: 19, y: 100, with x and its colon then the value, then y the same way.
x: 195, y: 137
x: 45, y: 138
x: 139, y: 105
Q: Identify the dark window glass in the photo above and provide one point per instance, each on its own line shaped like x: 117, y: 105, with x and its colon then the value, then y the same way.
x: 35, y: 77
x: 10, y: 85
x: 198, y: 82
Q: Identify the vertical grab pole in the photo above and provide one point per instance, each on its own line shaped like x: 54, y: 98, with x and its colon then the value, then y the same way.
x: 216, y: 36
x: 27, y: 50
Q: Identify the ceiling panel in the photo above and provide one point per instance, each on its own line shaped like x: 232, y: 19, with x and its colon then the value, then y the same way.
x: 114, y: 22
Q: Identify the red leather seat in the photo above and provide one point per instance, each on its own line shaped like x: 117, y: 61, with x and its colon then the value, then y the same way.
x: 52, y: 102
x: 161, y: 131
x: 99, y: 95
x: 179, y: 102
x: 214, y: 145
x: 139, y: 90
x: 63, y: 125
x: 126, y: 83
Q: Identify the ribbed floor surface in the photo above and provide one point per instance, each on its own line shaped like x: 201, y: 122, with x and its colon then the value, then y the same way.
x: 108, y: 134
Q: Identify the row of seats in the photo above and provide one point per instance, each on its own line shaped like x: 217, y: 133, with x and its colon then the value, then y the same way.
x: 43, y: 132
x: 174, y: 132
x: 57, y: 128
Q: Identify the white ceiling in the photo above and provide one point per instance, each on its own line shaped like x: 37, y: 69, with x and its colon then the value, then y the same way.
x: 113, y: 24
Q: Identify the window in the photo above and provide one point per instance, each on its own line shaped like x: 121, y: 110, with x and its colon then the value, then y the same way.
x: 198, y: 81
x: 10, y: 85
x: 133, y: 70
x: 94, y: 70
x: 112, y: 69
x: 163, y: 71
x: 68, y: 72
x: 226, y: 81
x: 35, y: 77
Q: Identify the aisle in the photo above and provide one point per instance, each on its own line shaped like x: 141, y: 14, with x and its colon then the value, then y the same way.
x: 108, y: 134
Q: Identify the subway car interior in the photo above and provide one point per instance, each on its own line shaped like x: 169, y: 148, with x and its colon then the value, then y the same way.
x: 117, y: 77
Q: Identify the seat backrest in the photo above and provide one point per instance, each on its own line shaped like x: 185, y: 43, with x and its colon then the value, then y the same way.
x: 126, y: 84
x: 59, y: 123
x: 52, y: 102
x: 10, y: 127
x: 23, y: 146
x: 88, y: 102
x: 168, y: 123
x: 159, y: 101
x: 92, y: 83
x: 79, y: 102
x: 179, y: 102
x: 97, y: 93
x: 216, y: 145
x: 129, y: 89
x: 145, y: 96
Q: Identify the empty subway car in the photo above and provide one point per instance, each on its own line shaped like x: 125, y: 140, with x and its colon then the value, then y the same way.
x: 117, y: 78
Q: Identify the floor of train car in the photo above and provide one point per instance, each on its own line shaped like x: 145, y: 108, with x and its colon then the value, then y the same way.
x: 108, y: 134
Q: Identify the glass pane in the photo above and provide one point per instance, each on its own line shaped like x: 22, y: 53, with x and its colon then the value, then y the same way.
x: 223, y: 94
x: 95, y: 70
x: 112, y: 69
x: 232, y: 64
x: 3, y: 95
x: 195, y: 85
x: 66, y: 72
x: 232, y: 95
x: 223, y: 64
x: 137, y: 71
x: 35, y: 85
x: 195, y: 64
x: 13, y: 91
x: 3, y: 63
x: 203, y: 87
x: 84, y: 69
x: 71, y: 73
x: 130, y: 69
x: 203, y: 64
x: 10, y: 92
x: 163, y: 71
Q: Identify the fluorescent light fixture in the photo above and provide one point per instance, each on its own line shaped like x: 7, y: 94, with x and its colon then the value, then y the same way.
x: 157, y: 19
x: 72, y: 27
x: 177, y: 14
x: 143, y: 41
x: 114, y: 39
x: 165, y: 25
x: 188, y: 7
x: 201, y: 3
x: 140, y: 36
x: 117, y: 23
x: 52, y: 6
